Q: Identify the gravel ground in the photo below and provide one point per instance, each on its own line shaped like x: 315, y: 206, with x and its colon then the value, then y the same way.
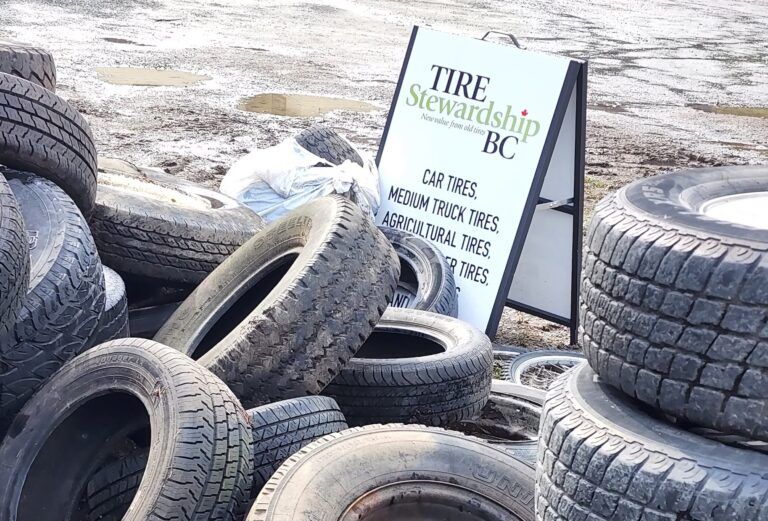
x: 672, y: 84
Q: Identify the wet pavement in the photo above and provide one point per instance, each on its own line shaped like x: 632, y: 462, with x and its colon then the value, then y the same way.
x: 671, y: 83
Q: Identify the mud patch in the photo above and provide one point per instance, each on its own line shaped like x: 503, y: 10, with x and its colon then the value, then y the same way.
x: 124, y: 41
x: 299, y: 105
x: 752, y: 112
x: 148, y: 77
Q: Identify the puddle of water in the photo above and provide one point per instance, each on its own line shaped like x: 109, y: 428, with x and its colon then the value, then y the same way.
x: 753, y: 112
x: 299, y: 105
x: 148, y: 77
x: 123, y: 40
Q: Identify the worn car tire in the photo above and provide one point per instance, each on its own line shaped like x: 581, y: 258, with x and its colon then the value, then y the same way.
x: 325, y: 143
x: 200, y: 460
x: 281, y: 316
x: 43, y: 134
x: 114, y: 320
x: 279, y: 430
x: 150, y: 223
x: 675, y: 302
x: 29, y: 63
x: 14, y: 258
x: 602, y: 457
x: 426, y: 280
x: 416, y: 367
x: 63, y: 306
x: 399, y: 472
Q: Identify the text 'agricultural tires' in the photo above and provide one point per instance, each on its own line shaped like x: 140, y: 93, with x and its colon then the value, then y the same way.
x: 200, y: 459
x: 43, y: 134
x: 29, y: 63
x: 281, y: 316
x: 388, y: 472
x: 426, y: 280
x: 602, y: 457
x: 153, y: 224
x: 675, y: 297
x: 416, y: 367
x: 14, y: 258
x: 65, y: 301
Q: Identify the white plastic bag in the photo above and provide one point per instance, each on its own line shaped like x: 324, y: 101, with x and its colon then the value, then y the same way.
x: 273, y: 181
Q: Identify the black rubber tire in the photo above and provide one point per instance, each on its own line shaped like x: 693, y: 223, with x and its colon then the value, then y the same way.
x: 62, y: 309
x: 114, y: 320
x: 416, y: 367
x: 43, y: 134
x: 14, y: 258
x: 404, y: 465
x: 563, y: 360
x: 675, y: 304
x: 153, y: 224
x: 200, y: 459
x: 29, y: 63
x: 281, y: 429
x: 426, y: 280
x: 601, y: 457
x: 510, y: 419
x: 325, y: 143
x: 281, y: 316
x: 146, y: 322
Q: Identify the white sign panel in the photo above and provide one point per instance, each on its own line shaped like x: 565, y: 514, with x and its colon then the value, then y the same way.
x: 464, y: 155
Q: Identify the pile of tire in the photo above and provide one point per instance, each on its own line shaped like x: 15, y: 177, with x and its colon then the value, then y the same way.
x: 264, y: 344
x: 669, y: 420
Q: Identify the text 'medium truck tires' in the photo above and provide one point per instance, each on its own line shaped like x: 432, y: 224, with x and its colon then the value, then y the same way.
x: 604, y: 456
x: 200, y: 459
x: 675, y: 297
x: 281, y: 316
x: 393, y: 472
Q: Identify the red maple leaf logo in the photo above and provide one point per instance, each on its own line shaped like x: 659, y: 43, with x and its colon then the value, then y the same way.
x: 524, y: 112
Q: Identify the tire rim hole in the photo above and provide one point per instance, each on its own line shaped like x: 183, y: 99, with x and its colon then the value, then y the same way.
x: 397, y: 344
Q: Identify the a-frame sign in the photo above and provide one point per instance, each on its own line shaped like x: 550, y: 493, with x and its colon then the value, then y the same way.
x: 483, y: 154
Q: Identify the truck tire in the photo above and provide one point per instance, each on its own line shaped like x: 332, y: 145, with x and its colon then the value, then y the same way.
x: 398, y: 472
x: 200, y: 459
x: 675, y: 301
x: 63, y: 306
x: 29, y: 63
x: 43, y: 134
x: 152, y: 224
x: 281, y: 316
x: 325, y: 143
x: 416, y: 367
x: 601, y: 457
x: 114, y: 320
x: 14, y: 258
x: 426, y: 280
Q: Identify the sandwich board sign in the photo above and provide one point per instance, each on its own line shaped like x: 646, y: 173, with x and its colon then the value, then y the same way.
x: 476, y: 141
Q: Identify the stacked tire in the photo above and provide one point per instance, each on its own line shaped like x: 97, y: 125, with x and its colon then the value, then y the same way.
x: 668, y: 422
x: 291, y: 321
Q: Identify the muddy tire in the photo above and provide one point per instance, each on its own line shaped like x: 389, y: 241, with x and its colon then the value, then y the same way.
x: 416, y: 367
x: 200, y: 460
x: 114, y: 320
x: 153, y: 224
x: 29, y: 63
x: 601, y: 457
x: 413, y: 469
x: 281, y: 429
x: 675, y: 302
x: 63, y: 306
x: 281, y: 316
x: 426, y: 280
x: 327, y: 144
x: 43, y: 134
x: 14, y: 258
